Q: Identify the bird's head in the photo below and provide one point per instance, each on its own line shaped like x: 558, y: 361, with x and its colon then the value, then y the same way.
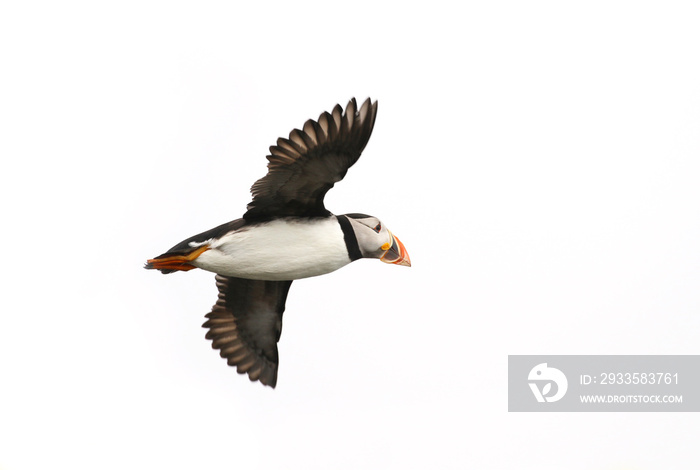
x: 376, y: 241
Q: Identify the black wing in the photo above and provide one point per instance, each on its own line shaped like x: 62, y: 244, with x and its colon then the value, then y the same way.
x: 245, y: 325
x: 304, y: 167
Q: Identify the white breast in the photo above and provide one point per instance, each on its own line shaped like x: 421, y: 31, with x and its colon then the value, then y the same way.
x: 279, y: 250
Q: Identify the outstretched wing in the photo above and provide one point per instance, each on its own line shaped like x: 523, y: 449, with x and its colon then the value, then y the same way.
x: 245, y: 325
x: 304, y: 167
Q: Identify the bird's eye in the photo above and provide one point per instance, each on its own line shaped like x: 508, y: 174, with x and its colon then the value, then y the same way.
x: 377, y: 228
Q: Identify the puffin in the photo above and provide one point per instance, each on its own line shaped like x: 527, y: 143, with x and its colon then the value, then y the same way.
x: 286, y: 234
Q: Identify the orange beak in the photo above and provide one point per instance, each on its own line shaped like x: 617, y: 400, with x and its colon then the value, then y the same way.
x: 396, y: 253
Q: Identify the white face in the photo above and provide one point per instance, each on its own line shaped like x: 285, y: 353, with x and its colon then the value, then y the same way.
x: 372, y: 236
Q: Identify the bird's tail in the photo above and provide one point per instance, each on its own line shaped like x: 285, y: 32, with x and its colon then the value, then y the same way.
x: 170, y: 262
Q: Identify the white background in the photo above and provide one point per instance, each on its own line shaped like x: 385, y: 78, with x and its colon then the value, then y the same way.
x: 540, y: 161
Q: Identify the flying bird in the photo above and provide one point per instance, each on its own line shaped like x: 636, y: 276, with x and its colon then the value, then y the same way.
x: 286, y: 234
